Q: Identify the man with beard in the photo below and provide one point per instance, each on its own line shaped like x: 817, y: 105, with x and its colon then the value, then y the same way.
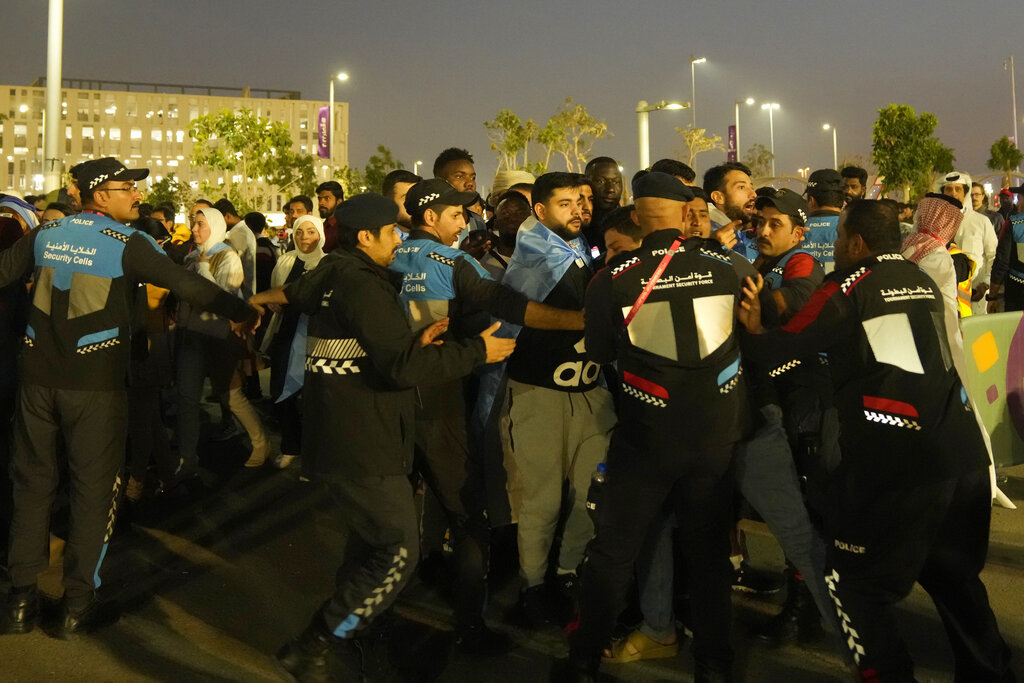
x: 558, y: 416
x: 606, y: 182
x: 328, y: 196
x: 395, y: 187
x: 975, y: 237
x: 729, y: 187
x: 855, y: 182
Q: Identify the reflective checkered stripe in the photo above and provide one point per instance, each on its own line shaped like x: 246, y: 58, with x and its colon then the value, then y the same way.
x: 893, y: 420
x: 391, y: 581
x: 325, y: 300
x: 715, y: 255
x: 331, y: 367
x: 849, y: 632
x: 784, y: 368
x: 111, y: 519
x: 650, y: 399
x: 441, y: 259
x: 852, y: 279
x: 115, y: 234
x: 731, y: 384
x: 624, y: 266
x: 28, y: 341
x: 89, y: 348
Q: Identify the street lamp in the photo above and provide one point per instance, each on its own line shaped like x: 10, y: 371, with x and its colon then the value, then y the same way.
x: 643, y: 111
x: 693, y: 86
x: 330, y: 126
x: 748, y: 101
x: 51, y: 124
x: 416, y: 167
x: 771, y: 107
x: 835, y: 156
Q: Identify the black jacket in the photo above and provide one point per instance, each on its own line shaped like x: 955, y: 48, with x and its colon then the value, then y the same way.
x: 362, y: 361
x: 903, y: 411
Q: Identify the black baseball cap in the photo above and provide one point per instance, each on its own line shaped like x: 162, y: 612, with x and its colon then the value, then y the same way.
x: 365, y: 212
x: 91, y: 174
x: 661, y: 185
x: 824, y: 180
x: 785, y: 201
x: 435, y: 192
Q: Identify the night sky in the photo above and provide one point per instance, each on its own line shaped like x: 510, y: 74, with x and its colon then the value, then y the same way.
x: 426, y: 75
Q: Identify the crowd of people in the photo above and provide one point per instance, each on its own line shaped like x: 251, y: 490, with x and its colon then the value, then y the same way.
x: 622, y: 375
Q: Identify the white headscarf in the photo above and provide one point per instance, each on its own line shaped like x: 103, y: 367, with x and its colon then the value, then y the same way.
x: 310, y: 261
x: 218, y: 228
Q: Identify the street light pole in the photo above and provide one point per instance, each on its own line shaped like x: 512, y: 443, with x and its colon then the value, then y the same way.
x: 749, y: 100
x: 835, y: 155
x: 693, y: 87
x: 1013, y: 95
x: 330, y: 126
x: 416, y: 167
x: 643, y: 110
x: 52, y: 125
x: 771, y: 107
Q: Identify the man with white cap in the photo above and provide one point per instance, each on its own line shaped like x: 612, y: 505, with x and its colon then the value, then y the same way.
x: 975, y: 237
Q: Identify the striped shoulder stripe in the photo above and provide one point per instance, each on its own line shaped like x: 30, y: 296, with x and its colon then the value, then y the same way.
x: 442, y: 259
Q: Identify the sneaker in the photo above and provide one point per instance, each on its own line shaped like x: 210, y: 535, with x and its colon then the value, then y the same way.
x: 756, y: 582
x: 535, y: 606
x: 282, y: 461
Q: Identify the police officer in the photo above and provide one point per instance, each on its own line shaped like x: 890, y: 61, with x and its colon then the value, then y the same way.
x: 439, y: 282
x: 665, y: 312
x: 75, y: 354
x: 824, y: 200
x: 911, y: 499
x: 362, y: 361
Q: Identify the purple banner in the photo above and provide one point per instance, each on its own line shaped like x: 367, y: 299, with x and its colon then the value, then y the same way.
x: 323, y: 121
x: 732, y: 145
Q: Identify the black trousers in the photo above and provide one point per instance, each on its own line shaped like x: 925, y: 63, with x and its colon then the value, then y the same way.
x: 147, y: 441
x: 881, y: 541
x: 699, y: 487
x: 93, y: 426
x: 381, y: 551
x: 444, y: 461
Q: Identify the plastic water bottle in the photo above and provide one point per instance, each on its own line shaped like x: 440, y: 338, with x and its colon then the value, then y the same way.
x: 594, y: 492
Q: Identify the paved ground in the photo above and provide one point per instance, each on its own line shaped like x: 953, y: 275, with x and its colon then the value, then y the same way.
x: 210, y: 585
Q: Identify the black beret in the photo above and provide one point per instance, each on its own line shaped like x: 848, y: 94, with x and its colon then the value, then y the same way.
x: 366, y: 212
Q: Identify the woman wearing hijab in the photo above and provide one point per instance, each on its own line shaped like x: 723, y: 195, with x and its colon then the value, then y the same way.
x: 308, y: 235
x: 19, y: 210
x: 206, y: 347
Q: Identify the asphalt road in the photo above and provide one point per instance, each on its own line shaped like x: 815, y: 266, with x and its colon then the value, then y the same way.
x: 208, y: 586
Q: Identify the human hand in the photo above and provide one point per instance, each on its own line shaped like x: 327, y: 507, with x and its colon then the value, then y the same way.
x: 498, y: 349
x: 749, y: 312
x: 430, y: 334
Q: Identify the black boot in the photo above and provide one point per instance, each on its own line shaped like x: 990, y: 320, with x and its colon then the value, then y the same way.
x: 71, y: 623
x: 22, y: 610
x: 307, y: 658
x: 798, y: 621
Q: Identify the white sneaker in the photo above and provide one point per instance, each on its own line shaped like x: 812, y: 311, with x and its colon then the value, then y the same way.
x: 281, y: 460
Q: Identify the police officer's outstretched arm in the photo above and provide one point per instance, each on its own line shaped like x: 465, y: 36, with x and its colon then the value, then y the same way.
x: 603, y: 319
x: 144, y: 261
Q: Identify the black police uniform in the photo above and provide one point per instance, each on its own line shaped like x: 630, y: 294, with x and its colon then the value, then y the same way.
x: 684, y: 406
x: 74, y: 365
x: 362, y: 361
x: 911, y: 499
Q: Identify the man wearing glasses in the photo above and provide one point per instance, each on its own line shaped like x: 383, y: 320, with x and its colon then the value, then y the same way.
x: 87, y: 268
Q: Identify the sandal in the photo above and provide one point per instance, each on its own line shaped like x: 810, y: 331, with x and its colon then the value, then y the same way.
x: 638, y: 646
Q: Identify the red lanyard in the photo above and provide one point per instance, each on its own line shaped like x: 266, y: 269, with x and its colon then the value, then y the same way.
x: 678, y: 242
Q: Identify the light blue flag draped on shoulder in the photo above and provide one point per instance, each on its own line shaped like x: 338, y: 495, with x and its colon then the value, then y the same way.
x: 296, y: 374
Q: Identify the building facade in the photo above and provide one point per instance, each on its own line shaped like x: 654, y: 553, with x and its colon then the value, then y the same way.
x: 146, y: 124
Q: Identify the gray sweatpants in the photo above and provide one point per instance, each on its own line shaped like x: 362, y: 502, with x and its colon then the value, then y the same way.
x: 549, y: 437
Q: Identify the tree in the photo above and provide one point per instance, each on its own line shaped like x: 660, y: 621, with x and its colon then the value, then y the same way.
x: 696, y: 142
x: 254, y: 153
x: 378, y: 166
x: 942, y: 163
x: 550, y: 137
x: 352, y: 180
x: 574, y: 132
x: 173, y: 191
x: 1004, y: 156
x: 903, y: 148
x: 509, y: 137
x: 759, y: 160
